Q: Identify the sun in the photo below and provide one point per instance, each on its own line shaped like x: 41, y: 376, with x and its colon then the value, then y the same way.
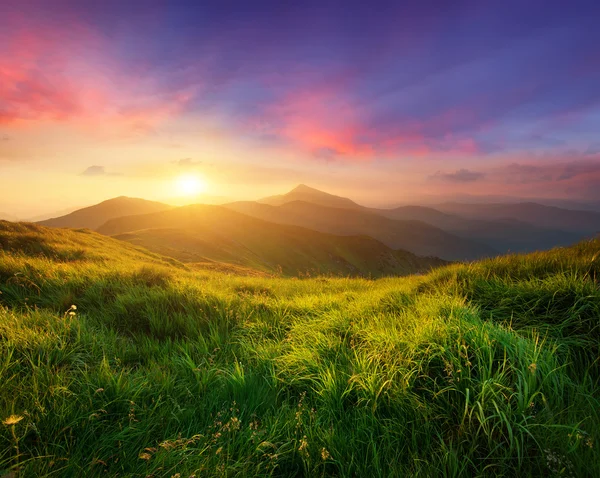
x: 190, y: 185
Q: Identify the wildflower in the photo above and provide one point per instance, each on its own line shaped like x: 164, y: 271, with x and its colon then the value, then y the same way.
x: 145, y: 456
x: 234, y: 424
x: 303, y: 448
x: 325, y: 454
x: 12, y: 420
x: 532, y: 368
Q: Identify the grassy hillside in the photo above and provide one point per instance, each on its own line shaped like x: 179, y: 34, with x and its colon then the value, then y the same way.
x: 94, y: 216
x: 202, y: 233
x: 483, y: 369
x: 414, y: 236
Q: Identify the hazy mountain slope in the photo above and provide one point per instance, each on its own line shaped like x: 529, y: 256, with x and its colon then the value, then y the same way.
x: 201, y: 233
x: 312, y: 195
x: 7, y: 217
x: 94, y: 216
x: 536, y: 214
x: 414, y: 236
x: 503, y: 235
x: 52, y: 215
x: 500, y: 232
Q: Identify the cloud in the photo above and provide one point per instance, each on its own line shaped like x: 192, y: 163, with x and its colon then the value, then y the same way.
x: 580, y: 168
x: 54, y: 72
x: 97, y: 171
x: 515, y: 173
x: 459, y: 176
x: 551, y: 172
x: 593, y: 148
x: 326, y: 153
x: 399, y: 90
x: 187, y: 163
x: 4, y: 137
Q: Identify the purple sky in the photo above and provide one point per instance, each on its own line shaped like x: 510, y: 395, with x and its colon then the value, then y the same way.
x: 405, y: 98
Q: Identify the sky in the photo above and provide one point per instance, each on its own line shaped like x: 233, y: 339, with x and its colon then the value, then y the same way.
x: 385, y: 102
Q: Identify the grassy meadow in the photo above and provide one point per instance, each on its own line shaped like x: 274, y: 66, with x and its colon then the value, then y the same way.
x: 115, y: 361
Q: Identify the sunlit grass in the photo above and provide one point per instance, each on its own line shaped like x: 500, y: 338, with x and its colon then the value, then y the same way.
x: 159, y: 369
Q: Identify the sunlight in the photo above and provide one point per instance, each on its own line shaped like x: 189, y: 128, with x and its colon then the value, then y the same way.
x: 190, y: 185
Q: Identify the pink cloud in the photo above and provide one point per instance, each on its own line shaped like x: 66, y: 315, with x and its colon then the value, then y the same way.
x: 66, y: 72
x: 576, y: 177
x: 324, y: 122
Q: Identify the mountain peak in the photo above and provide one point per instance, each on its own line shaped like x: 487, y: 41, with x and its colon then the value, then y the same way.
x: 94, y: 216
x: 305, y: 193
x: 303, y: 188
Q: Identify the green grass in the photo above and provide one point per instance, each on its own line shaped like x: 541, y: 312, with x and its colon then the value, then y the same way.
x: 481, y: 369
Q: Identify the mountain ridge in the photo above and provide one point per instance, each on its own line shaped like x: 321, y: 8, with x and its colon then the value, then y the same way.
x: 521, y: 233
x: 414, y: 236
x: 198, y: 233
x: 302, y: 192
x: 94, y: 216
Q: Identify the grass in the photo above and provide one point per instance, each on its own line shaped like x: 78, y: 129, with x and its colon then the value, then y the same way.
x: 162, y: 369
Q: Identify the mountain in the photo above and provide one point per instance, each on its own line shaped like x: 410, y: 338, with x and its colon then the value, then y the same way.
x: 414, y: 236
x: 202, y: 233
x: 311, y: 195
x: 8, y: 217
x: 51, y: 215
x: 94, y: 216
x: 536, y: 214
x: 504, y: 235
x: 498, y: 232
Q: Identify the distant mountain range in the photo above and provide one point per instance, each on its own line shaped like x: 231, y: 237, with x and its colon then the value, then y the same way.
x: 202, y: 233
x: 51, y: 215
x: 415, y: 236
x: 536, y: 214
x: 7, y: 217
x: 485, y: 236
x: 311, y: 230
x: 504, y: 234
x: 93, y: 217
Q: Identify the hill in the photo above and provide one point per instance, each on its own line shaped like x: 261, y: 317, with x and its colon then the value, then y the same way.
x: 503, y: 234
x: 453, y: 236
x: 117, y: 361
x: 51, y: 215
x: 7, y: 217
x: 515, y: 229
x: 94, y: 216
x: 414, y: 236
x: 201, y: 233
x: 536, y: 214
x: 311, y: 195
